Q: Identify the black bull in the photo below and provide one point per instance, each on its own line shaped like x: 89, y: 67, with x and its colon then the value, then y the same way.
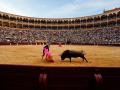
x: 69, y: 54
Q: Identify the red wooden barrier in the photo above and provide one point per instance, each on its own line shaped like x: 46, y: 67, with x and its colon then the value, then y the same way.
x: 19, y: 77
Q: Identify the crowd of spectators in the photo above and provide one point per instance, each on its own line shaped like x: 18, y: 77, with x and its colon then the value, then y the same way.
x: 104, y: 36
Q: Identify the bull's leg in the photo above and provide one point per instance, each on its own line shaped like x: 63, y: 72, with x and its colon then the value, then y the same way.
x: 85, y: 59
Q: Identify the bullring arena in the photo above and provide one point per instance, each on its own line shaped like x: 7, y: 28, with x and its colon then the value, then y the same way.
x: 98, y: 32
x: 22, y: 39
x: 97, y: 56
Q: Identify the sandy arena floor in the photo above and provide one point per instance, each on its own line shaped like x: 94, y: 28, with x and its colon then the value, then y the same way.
x: 97, y: 56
